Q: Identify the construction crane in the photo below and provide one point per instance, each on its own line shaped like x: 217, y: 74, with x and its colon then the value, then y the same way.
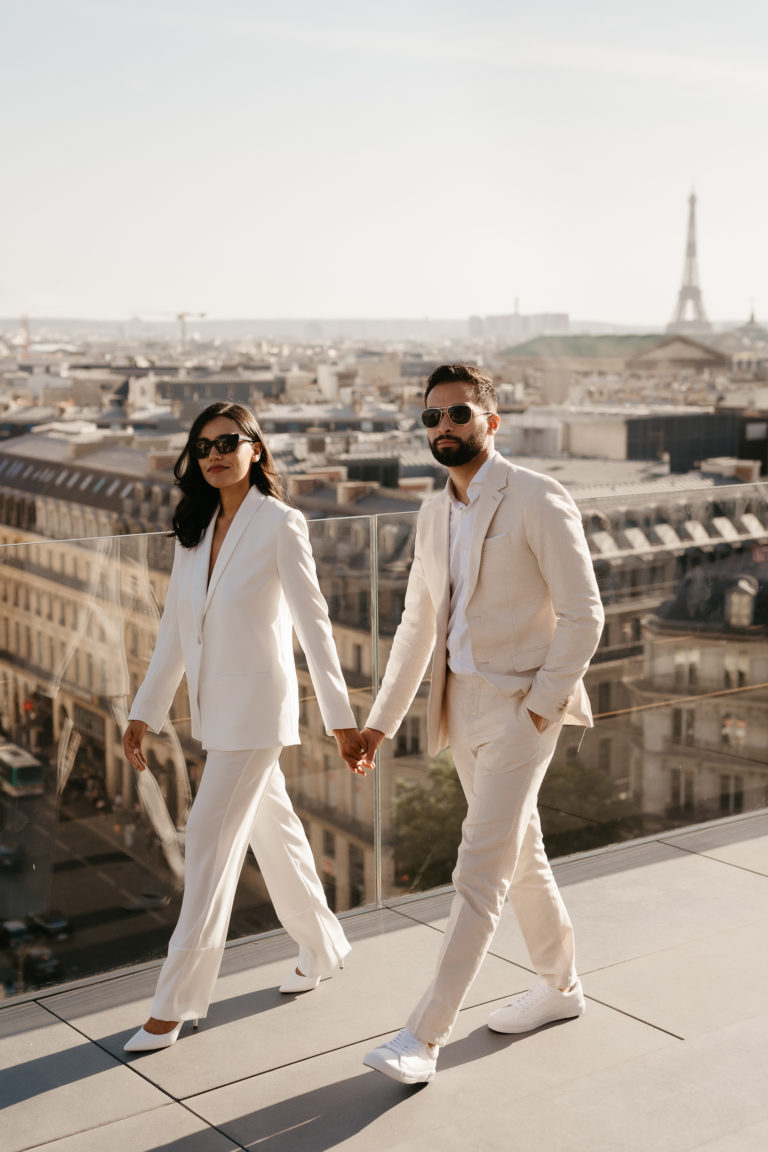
x: 182, y: 319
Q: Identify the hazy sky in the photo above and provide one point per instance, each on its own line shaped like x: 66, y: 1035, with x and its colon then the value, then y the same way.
x: 389, y: 158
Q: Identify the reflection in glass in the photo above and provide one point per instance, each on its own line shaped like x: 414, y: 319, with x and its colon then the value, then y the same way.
x: 679, y: 687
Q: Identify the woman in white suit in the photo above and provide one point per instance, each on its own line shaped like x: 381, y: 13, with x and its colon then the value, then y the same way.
x: 243, y: 576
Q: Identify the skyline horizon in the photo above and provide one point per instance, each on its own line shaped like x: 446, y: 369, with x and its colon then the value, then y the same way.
x: 194, y: 320
x: 419, y: 157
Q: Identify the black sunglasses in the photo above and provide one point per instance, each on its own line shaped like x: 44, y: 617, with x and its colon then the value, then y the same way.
x: 201, y: 449
x: 457, y: 414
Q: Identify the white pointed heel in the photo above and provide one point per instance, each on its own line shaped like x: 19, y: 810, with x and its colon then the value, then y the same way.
x: 296, y: 982
x: 195, y: 1023
x: 143, y: 1041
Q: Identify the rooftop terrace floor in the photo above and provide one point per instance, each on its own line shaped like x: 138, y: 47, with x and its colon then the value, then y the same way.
x: 671, y: 1054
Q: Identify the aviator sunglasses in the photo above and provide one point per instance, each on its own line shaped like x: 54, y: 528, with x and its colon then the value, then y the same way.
x: 457, y: 414
x: 201, y: 449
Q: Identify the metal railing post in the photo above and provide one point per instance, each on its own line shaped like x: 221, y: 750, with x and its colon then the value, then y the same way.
x: 374, y: 554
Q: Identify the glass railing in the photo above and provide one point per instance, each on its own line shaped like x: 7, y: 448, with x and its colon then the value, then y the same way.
x: 91, y: 854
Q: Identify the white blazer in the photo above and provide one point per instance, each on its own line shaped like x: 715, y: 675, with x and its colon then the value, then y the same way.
x: 533, y: 607
x: 233, y: 636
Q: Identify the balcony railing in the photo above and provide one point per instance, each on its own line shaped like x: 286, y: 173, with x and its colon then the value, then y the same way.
x: 78, y: 836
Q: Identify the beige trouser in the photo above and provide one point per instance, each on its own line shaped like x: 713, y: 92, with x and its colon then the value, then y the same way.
x: 501, y: 760
x: 242, y: 798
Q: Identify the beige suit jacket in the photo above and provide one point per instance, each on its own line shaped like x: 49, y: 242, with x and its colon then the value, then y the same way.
x: 533, y: 606
x: 233, y: 635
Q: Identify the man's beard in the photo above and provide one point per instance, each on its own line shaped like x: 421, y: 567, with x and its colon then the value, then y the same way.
x: 461, y: 452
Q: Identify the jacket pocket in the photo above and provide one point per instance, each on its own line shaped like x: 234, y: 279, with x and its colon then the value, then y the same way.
x: 529, y: 661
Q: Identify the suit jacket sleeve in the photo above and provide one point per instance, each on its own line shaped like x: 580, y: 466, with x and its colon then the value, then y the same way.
x: 309, y: 612
x: 555, y: 535
x: 155, y: 695
x: 409, y: 657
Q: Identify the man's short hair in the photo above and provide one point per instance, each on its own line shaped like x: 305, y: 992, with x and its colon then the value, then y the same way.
x: 485, y: 393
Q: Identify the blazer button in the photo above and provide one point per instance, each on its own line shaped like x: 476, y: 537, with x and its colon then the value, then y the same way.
x: 199, y: 639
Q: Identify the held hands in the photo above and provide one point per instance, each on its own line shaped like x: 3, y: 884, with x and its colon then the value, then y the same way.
x: 132, y: 740
x: 373, y: 739
x: 352, y: 749
x: 357, y: 749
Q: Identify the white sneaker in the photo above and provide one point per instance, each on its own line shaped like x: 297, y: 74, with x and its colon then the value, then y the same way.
x: 406, y: 1058
x: 539, y: 1005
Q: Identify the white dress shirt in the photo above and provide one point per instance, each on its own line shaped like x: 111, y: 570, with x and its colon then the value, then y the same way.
x: 460, y: 659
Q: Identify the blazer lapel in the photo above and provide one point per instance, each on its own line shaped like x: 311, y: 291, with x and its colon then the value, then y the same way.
x: 440, y: 548
x: 245, y: 513
x: 200, y: 570
x: 491, y: 495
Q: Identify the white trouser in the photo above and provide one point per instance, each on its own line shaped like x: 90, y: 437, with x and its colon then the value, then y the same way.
x: 242, y: 798
x: 501, y: 760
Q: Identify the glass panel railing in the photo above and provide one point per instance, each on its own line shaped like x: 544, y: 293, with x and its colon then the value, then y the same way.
x: 679, y: 687
x: 91, y: 852
x: 91, y: 856
x: 337, y: 806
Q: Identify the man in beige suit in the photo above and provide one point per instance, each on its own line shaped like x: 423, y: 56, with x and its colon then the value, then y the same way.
x: 502, y: 592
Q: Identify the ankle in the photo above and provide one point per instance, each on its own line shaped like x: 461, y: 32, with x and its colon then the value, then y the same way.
x: 159, y: 1027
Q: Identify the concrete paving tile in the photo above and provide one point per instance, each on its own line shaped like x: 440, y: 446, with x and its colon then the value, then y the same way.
x: 693, y: 988
x: 250, y: 1027
x: 332, y: 1101
x: 753, y: 1138
x: 168, y: 1129
x: 629, y: 902
x: 56, y: 1083
x: 673, y: 1099
x: 743, y: 843
x: 654, y: 905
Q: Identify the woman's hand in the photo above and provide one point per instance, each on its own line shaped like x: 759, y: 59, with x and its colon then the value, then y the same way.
x: 132, y: 740
x: 352, y: 749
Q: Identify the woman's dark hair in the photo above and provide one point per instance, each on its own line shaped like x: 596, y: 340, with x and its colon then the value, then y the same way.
x: 199, y: 500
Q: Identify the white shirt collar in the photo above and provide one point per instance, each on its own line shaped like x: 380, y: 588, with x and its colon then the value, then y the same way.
x: 473, y: 488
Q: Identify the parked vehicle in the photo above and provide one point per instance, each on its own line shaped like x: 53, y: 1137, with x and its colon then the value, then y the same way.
x: 40, y: 966
x: 52, y: 923
x: 11, y: 858
x: 21, y: 773
x: 14, y: 933
x: 146, y: 902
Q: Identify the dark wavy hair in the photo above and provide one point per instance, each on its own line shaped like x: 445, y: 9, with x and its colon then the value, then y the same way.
x: 200, y: 501
x: 482, y: 385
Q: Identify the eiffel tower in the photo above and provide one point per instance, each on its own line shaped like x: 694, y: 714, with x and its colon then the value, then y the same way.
x: 690, y: 292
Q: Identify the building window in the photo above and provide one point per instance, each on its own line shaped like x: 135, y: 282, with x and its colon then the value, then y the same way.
x: 740, y: 603
x: 330, y: 777
x: 731, y: 794
x: 686, y: 669
x: 736, y: 669
x: 408, y: 739
x: 683, y: 725
x: 604, y: 696
x: 733, y: 730
x: 356, y: 875
x: 329, y: 843
x: 681, y: 789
